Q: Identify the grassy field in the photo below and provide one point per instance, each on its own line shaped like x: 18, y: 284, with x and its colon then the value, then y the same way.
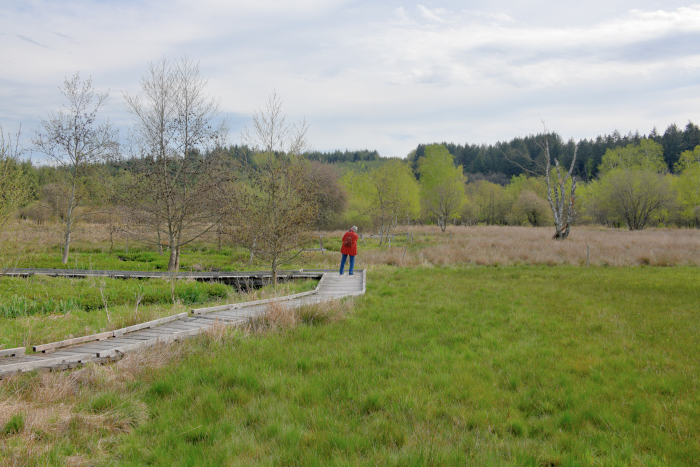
x: 517, y: 365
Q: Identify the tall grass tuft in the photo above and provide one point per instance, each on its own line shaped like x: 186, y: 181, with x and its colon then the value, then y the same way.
x: 279, y: 317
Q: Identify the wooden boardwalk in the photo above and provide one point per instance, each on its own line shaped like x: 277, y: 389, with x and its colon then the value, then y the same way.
x: 245, y: 279
x: 112, y: 345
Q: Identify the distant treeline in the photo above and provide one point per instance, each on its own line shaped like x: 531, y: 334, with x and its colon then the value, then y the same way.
x: 343, y: 156
x: 492, y: 161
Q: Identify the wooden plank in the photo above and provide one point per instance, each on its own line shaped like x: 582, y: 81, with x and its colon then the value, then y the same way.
x: 76, y: 340
x: 227, y: 319
x: 128, y: 348
x: 12, y: 352
x: 149, y: 324
x: 181, y: 326
x: 43, y: 363
x: 233, y: 306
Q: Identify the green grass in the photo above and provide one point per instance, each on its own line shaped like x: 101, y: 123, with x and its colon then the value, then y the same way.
x: 449, y: 366
x: 196, y: 257
x: 139, y: 258
x: 41, y: 294
x: 437, y: 366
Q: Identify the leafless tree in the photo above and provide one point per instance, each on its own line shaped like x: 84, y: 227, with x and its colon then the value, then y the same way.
x: 178, y: 169
x: 278, y: 204
x: 271, y: 134
x: 277, y: 210
x: 561, y: 194
x: 75, y: 142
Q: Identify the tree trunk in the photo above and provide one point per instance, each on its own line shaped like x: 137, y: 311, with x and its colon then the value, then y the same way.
x: 66, y: 245
x: 160, y: 245
x: 174, y: 261
x: 274, y: 271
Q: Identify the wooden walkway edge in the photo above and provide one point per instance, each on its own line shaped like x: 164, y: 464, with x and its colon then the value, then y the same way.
x: 112, y: 345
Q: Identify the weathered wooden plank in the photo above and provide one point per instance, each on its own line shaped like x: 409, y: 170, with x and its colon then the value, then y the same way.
x: 76, y: 340
x: 183, y: 323
x: 43, y: 363
x: 12, y: 352
x: 233, y: 306
x: 149, y: 324
x: 131, y: 347
x: 185, y: 326
x: 227, y: 319
x: 147, y: 334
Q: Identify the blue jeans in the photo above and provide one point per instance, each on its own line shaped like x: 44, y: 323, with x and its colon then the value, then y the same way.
x: 352, y: 264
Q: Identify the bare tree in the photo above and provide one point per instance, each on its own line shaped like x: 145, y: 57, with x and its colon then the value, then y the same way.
x: 74, y: 142
x: 272, y: 135
x: 561, y: 194
x: 178, y: 170
x: 277, y: 210
x: 278, y: 206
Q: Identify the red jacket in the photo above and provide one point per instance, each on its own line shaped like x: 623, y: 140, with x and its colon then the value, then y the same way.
x: 352, y: 251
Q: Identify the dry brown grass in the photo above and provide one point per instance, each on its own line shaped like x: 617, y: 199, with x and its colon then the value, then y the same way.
x: 279, y: 316
x: 491, y: 245
x: 52, y: 405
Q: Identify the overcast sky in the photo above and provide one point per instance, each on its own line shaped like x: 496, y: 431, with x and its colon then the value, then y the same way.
x: 382, y: 75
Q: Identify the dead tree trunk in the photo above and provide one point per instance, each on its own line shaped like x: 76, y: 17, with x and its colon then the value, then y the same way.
x: 557, y: 194
x: 561, y: 202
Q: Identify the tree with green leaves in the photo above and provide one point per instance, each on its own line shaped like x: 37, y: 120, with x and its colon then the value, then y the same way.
x: 490, y: 203
x: 441, y: 184
x: 15, y: 187
x: 635, y: 196
x: 394, y: 196
x: 688, y: 185
x: 633, y: 184
x: 647, y: 155
x: 74, y: 142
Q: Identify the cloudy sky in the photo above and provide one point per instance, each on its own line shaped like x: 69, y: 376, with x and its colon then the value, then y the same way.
x: 380, y: 74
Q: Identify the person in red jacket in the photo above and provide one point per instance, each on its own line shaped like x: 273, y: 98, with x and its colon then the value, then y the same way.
x: 349, y: 248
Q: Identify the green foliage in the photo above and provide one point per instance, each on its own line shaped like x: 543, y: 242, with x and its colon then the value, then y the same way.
x: 442, y: 184
x: 634, y: 196
x: 492, y: 205
x: 383, y: 197
x: 648, y: 155
x: 528, y: 199
x: 394, y: 195
x: 15, y: 188
x: 14, y: 425
x: 688, y: 185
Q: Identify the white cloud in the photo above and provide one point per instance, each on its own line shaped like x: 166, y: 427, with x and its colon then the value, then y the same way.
x: 432, y: 15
